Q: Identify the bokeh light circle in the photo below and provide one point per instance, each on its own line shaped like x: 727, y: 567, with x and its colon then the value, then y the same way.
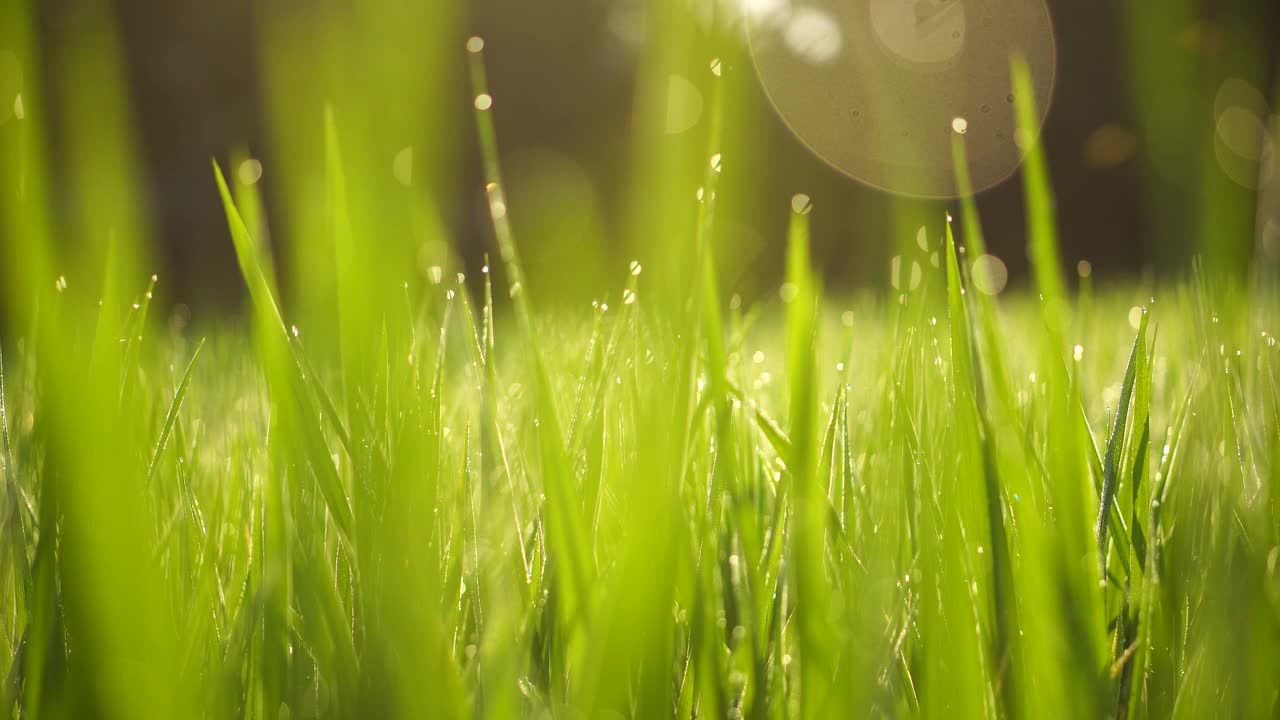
x: 1244, y: 143
x: 878, y: 88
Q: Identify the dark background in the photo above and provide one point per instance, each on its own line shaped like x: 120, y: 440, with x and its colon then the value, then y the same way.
x: 565, y: 78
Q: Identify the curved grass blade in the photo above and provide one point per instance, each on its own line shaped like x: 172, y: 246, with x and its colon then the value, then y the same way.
x: 172, y: 414
x: 283, y: 366
x: 1111, y: 471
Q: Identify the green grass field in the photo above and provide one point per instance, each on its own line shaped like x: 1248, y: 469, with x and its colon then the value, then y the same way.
x: 443, y: 499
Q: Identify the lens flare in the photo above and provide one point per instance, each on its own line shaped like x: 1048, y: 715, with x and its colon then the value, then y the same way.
x: 878, y: 88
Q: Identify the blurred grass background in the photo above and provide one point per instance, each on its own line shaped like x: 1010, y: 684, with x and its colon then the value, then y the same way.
x: 1132, y: 127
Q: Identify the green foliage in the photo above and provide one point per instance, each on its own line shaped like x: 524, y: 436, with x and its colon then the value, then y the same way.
x: 432, y: 501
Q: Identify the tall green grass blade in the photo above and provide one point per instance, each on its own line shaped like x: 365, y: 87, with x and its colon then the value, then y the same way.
x: 171, y: 415
x: 283, y: 367
x: 1111, y: 462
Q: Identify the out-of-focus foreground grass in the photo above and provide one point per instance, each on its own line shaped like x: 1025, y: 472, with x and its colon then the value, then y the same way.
x: 404, y: 495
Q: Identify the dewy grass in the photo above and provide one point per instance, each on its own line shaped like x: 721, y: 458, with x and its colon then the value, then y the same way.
x: 441, y: 499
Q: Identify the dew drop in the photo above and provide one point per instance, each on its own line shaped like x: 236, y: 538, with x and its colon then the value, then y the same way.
x: 1135, y: 317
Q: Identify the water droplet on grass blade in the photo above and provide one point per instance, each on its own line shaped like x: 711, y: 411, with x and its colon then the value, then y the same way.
x: 1135, y: 317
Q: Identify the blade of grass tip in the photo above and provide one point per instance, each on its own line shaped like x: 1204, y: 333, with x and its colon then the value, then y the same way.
x: 1042, y: 234
x: 1131, y: 619
x: 357, y: 319
x: 103, y: 356
x: 1168, y: 461
x: 172, y: 414
x: 768, y: 427
x: 961, y: 355
x: 133, y: 341
x: 596, y: 395
x: 566, y: 524
x: 716, y: 366
x: 246, y: 254
x: 492, y: 420
x: 968, y: 208
x: 283, y: 364
x: 327, y: 408
x: 474, y: 340
x: 808, y: 547
x: 247, y: 193
x: 1110, y: 472
x: 986, y: 323
x: 580, y: 389
x: 1139, y: 456
x: 970, y: 392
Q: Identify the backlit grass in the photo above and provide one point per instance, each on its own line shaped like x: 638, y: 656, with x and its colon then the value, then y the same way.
x: 381, y: 493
